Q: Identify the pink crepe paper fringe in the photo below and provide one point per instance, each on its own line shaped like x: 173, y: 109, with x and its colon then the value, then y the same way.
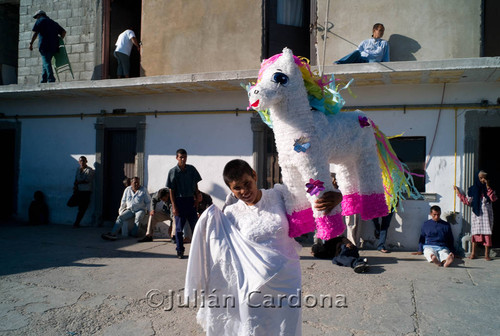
x: 300, y: 222
x: 369, y: 206
x: 329, y: 227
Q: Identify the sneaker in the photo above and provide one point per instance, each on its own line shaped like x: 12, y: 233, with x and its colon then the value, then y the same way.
x: 360, y: 268
x: 180, y: 255
x: 145, y: 239
x: 108, y: 236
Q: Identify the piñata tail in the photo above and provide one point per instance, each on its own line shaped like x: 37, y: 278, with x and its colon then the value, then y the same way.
x: 397, y: 178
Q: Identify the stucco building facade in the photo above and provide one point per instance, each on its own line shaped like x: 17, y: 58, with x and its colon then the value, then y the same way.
x: 440, y: 90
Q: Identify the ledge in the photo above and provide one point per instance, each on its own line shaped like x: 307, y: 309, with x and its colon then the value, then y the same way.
x: 466, y: 70
x: 461, y: 70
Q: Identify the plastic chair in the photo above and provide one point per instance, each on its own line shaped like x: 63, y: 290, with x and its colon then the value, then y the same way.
x: 60, y: 61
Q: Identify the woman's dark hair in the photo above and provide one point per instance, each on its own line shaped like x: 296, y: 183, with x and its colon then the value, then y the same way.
x: 235, y: 169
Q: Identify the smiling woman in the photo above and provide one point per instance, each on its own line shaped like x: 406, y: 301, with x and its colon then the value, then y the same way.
x: 246, y: 253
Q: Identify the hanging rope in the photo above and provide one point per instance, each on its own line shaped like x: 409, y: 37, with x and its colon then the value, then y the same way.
x: 322, y: 63
x: 437, y: 125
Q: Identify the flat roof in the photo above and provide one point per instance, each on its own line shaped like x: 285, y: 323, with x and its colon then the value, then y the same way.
x: 464, y: 70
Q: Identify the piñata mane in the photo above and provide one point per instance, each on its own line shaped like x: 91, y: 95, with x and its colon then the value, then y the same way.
x: 321, y: 91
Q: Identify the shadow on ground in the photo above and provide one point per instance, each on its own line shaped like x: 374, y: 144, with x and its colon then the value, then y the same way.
x: 28, y: 248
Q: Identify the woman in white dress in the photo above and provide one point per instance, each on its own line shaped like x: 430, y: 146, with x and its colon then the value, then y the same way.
x: 244, y: 264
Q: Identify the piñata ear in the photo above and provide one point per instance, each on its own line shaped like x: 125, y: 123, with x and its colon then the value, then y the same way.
x: 288, y: 54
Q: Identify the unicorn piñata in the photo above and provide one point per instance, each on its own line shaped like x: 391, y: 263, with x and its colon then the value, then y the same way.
x: 310, y: 134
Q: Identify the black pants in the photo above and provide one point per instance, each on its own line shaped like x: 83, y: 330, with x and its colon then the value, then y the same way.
x: 83, y: 204
x: 187, y: 211
x: 348, y: 257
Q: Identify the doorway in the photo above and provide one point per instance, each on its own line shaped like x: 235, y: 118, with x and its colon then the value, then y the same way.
x: 118, y: 164
x: 119, y: 16
x: 490, y: 162
x: 9, y: 26
x: 8, y: 196
x: 287, y: 25
x: 491, y: 25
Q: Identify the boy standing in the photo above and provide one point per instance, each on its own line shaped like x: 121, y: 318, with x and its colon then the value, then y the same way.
x: 183, y: 184
x: 436, y: 240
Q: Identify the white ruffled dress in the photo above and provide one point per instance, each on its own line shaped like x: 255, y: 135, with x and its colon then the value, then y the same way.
x: 245, y: 270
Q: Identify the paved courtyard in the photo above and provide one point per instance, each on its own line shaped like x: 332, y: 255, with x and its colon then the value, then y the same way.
x: 55, y: 280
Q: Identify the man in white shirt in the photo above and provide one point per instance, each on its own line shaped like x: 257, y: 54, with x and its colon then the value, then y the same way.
x: 124, y: 44
x: 135, y: 203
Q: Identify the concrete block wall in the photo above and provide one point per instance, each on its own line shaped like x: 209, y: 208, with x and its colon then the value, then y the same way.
x: 78, y: 18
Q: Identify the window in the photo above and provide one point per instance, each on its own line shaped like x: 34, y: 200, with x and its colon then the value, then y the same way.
x: 290, y: 13
x: 411, y: 151
x: 491, y: 25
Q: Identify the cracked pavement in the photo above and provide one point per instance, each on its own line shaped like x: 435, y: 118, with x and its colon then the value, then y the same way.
x: 56, y: 280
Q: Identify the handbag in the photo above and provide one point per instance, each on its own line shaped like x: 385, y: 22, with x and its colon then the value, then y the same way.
x: 73, y: 200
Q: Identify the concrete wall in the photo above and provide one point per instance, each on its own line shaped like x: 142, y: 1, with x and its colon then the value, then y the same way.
x: 200, y: 36
x: 441, y: 169
x: 78, y: 18
x: 50, y: 147
x: 416, y: 30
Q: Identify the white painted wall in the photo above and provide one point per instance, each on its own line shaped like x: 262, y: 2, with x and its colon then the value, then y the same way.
x: 211, y: 141
x: 50, y: 147
x: 405, y: 226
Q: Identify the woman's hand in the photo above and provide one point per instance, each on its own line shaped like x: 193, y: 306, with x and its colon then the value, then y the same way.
x: 328, y: 201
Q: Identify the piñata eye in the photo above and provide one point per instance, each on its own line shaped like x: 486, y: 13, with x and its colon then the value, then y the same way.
x: 280, y: 78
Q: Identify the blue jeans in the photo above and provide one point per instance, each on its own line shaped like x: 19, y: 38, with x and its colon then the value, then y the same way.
x: 123, y: 220
x: 381, y: 229
x: 354, y: 57
x: 47, y: 72
x: 187, y: 211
